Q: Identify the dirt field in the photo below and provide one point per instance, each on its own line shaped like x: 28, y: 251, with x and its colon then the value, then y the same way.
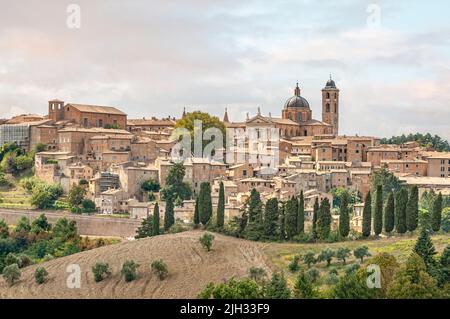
x: 191, y: 268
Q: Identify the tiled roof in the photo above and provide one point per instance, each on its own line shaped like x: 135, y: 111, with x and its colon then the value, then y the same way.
x: 96, y: 109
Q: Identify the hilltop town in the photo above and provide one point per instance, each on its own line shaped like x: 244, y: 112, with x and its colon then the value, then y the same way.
x: 100, y: 147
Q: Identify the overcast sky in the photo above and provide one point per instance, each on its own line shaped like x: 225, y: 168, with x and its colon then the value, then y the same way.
x: 152, y: 58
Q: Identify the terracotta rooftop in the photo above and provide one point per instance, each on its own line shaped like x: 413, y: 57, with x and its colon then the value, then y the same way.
x: 96, y: 109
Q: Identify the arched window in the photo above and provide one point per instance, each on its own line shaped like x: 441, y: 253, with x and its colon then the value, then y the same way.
x: 299, y: 117
x: 335, y: 95
x: 289, y: 116
x: 328, y: 95
x: 335, y: 108
x: 327, y: 107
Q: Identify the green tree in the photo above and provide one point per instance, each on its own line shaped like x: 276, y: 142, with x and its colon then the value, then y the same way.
x: 206, y: 240
x: 101, y: 271
x: 309, y: 258
x: 150, y: 185
x: 196, y: 213
x: 155, y: 225
x: 4, y: 229
x: 11, y: 274
x: 221, y: 207
x: 303, y: 288
x: 342, y: 254
x: 412, y: 210
x: 232, y: 289
x: 255, y: 227
x: 361, y: 252
x: 412, y: 281
x: 175, y: 187
x: 146, y: 228
x: 301, y: 214
x: 444, y: 261
x: 400, y: 213
x: 23, y: 225
x: 278, y: 288
x: 257, y: 274
x: 271, y: 219
x: 378, y: 213
x: 205, y: 203
x: 76, y: 195
x: 389, y: 181
x: 367, y: 216
x: 344, y: 218
x: 169, y: 216
x: 282, y: 222
x: 40, y: 225
x: 159, y: 268
x: 65, y: 229
x: 327, y: 255
x: 40, y: 275
x: 88, y: 206
x: 436, y: 216
x: 291, y: 218
x: 352, y: 286
x: 324, y: 219
x: 129, y: 270
x: 425, y: 249
x: 389, y: 217
x: 315, y: 217
x: 293, y: 265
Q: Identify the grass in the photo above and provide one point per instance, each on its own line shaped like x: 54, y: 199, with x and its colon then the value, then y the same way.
x: 281, y: 254
x: 15, y: 197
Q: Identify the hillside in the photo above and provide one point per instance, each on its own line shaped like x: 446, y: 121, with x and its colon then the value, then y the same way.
x: 191, y: 268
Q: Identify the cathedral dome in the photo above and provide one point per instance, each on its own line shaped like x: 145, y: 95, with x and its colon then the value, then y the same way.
x: 297, y: 100
x: 330, y: 84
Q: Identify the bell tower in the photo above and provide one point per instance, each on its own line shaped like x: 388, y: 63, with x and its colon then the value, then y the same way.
x: 56, y: 110
x: 330, y: 105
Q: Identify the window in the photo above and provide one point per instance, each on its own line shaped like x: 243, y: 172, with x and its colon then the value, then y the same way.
x: 244, y: 172
x: 328, y: 95
x: 100, y: 123
x: 327, y: 107
x: 299, y: 117
x: 85, y: 122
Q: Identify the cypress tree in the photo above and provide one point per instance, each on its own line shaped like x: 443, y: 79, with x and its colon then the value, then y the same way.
x: 221, y: 207
x: 282, y: 222
x: 344, y: 218
x: 400, y: 212
x: 291, y: 218
x: 301, y: 214
x: 436, y: 216
x: 424, y: 248
x: 196, y: 213
x: 155, y: 228
x: 412, y: 209
x: 367, y: 216
x: 389, y: 218
x: 315, y: 217
x: 378, y: 214
x: 255, y: 227
x: 169, y: 218
x: 205, y: 203
x: 271, y: 219
x: 324, y: 219
x: 146, y: 228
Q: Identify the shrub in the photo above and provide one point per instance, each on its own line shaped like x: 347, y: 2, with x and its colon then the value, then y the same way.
x: 361, y: 252
x: 11, y: 274
x: 159, y: 268
x: 257, y: 274
x: 313, y: 274
x: 129, y: 270
x: 351, y: 268
x: 293, y: 266
x: 207, y: 241
x: 40, y: 275
x: 309, y: 258
x: 88, y: 206
x: 101, y: 271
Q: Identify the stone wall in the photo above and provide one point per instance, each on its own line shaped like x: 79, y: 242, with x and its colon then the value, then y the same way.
x: 87, y: 225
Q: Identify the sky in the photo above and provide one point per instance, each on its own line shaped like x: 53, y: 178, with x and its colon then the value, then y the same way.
x: 390, y: 59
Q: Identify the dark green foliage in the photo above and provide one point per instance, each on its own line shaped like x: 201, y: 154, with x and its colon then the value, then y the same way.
x: 11, y: 274
x: 342, y: 254
x: 221, y: 207
x: 425, y: 249
x: 367, y: 216
x: 444, y: 262
x: 400, y: 211
x: 278, y: 288
x: 101, y: 271
x: 271, y: 219
x: 205, y: 203
x: 40, y: 225
x: 232, y: 289
x: 327, y: 255
x: 313, y: 274
x: 65, y: 229
x: 4, y: 229
x: 150, y: 185
x: 146, y: 228
x: 159, y: 268
x: 40, y: 275
x: 23, y: 225
x: 412, y: 210
x: 361, y: 252
x: 196, y: 213
x: 282, y: 222
x: 309, y: 258
x: 257, y: 274
x: 76, y: 195
x: 436, y: 216
x: 426, y: 140
x: 43, y: 195
x: 155, y: 225
x: 378, y: 213
x: 88, y: 206
x: 344, y: 218
x: 291, y: 218
x: 324, y: 219
x: 304, y: 288
x: 383, y: 177
x: 206, y: 240
x: 169, y: 215
x: 389, y: 214
x: 293, y: 265
x: 352, y: 286
x: 129, y: 270
x: 315, y: 217
x: 301, y: 214
x: 255, y: 227
x: 175, y: 187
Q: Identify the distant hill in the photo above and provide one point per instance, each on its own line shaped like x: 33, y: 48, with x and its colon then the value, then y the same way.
x: 191, y: 268
x: 426, y: 140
